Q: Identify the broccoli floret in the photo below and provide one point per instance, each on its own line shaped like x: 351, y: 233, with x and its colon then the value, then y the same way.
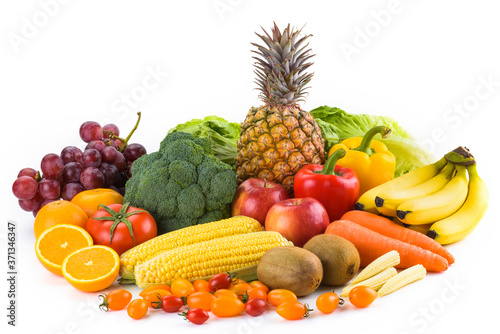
x: 182, y: 184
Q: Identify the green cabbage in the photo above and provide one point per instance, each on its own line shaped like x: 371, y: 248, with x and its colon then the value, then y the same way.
x: 221, y: 134
x: 337, y: 125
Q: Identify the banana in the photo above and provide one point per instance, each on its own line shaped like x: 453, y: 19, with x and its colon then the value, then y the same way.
x: 464, y: 221
x: 439, y: 205
x: 367, y: 201
x: 388, y: 201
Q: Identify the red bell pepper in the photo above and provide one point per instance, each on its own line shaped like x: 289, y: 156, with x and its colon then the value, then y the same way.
x: 336, y: 187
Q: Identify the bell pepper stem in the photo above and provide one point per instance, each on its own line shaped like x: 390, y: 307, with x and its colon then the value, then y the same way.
x: 367, y: 138
x: 329, y: 167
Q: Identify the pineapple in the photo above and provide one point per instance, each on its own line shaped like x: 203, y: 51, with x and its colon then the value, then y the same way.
x: 278, y: 138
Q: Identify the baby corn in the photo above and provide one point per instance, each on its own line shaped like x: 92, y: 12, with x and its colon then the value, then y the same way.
x: 374, y: 282
x: 380, y: 264
x: 405, y: 277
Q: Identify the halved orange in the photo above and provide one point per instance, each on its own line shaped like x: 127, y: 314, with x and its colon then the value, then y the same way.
x: 59, y: 212
x: 92, y: 268
x: 57, y: 242
x: 89, y: 200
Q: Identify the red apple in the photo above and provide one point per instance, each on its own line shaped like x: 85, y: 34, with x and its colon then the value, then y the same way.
x: 298, y: 219
x: 254, y: 197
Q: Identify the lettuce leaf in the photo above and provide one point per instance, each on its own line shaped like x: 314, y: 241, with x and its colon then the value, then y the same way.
x: 337, y: 125
x: 221, y: 134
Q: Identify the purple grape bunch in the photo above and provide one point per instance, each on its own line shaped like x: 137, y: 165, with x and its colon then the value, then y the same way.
x: 104, y: 163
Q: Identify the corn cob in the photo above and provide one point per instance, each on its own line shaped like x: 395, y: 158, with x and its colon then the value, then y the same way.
x: 237, y: 253
x: 185, y: 236
x: 405, y: 277
x: 389, y: 259
x: 374, y: 282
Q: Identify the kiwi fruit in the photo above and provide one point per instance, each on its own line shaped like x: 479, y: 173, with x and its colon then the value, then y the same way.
x: 292, y: 268
x: 339, y: 257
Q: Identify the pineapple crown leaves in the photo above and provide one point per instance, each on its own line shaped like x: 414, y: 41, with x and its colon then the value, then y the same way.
x: 280, y: 66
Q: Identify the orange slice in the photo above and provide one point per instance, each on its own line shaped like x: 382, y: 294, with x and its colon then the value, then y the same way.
x: 57, y: 242
x: 92, y: 268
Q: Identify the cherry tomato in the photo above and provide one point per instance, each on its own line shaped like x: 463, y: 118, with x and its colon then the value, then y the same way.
x: 171, y: 303
x: 200, y: 299
x: 279, y: 296
x: 137, y: 308
x: 240, y: 288
x: 227, y: 306
x: 226, y: 293
x: 196, y: 316
x: 153, y: 298
x: 115, y: 300
x: 135, y: 226
x: 147, y: 290
x: 293, y: 310
x: 219, y: 281
x: 328, y: 302
x: 258, y: 284
x: 256, y: 293
x: 181, y: 287
x: 256, y: 307
x: 201, y: 285
x: 362, y: 296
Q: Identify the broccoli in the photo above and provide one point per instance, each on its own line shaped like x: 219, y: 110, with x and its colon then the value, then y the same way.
x: 182, y: 184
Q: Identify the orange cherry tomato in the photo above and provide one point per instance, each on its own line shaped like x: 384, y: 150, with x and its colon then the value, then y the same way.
x: 154, y: 287
x: 328, y: 302
x: 225, y: 293
x: 137, y: 308
x: 153, y: 298
x: 115, y: 300
x: 240, y: 288
x: 293, y: 310
x: 227, y: 307
x: 362, y: 296
x: 259, y: 284
x: 201, y: 285
x: 200, y: 299
x: 279, y: 296
x: 256, y: 293
x: 181, y: 287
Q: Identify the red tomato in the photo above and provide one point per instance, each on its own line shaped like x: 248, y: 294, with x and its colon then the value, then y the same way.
x: 196, y: 316
x: 256, y: 307
x: 219, y: 281
x: 171, y: 303
x: 121, y: 227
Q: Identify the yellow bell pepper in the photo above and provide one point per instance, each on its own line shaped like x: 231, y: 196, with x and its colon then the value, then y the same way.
x: 373, y: 163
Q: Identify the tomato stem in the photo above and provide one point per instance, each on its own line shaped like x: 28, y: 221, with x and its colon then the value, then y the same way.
x: 104, y: 305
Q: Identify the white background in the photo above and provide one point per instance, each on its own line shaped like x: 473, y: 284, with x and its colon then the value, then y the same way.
x: 417, y: 61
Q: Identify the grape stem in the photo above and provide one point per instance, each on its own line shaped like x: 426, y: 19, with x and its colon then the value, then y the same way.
x: 125, y: 141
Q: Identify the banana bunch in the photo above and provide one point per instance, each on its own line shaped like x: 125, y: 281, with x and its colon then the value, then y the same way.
x: 438, y: 199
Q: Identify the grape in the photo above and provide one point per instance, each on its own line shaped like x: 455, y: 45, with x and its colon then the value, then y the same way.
x: 120, y: 161
x: 122, y: 179
x: 108, y: 154
x: 31, y: 204
x: 91, y: 158
x: 71, y: 172
x: 51, y: 165
x: 49, y: 188
x: 25, y: 187
x: 134, y: 151
x: 109, y: 129
x: 110, y: 173
x: 92, y: 178
x: 118, y: 143
x: 90, y: 131
x: 70, y: 190
x: 71, y: 154
x: 109, y: 142
x: 98, y: 145
x: 27, y: 172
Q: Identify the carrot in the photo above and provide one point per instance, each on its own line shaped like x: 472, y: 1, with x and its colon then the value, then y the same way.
x: 390, y: 229
x: 372, y: 245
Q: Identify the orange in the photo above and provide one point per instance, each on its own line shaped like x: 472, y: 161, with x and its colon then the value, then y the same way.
x: 59, y: 212
x: 57, y: 242
x: 89, y: 200
x: 92, y: 268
